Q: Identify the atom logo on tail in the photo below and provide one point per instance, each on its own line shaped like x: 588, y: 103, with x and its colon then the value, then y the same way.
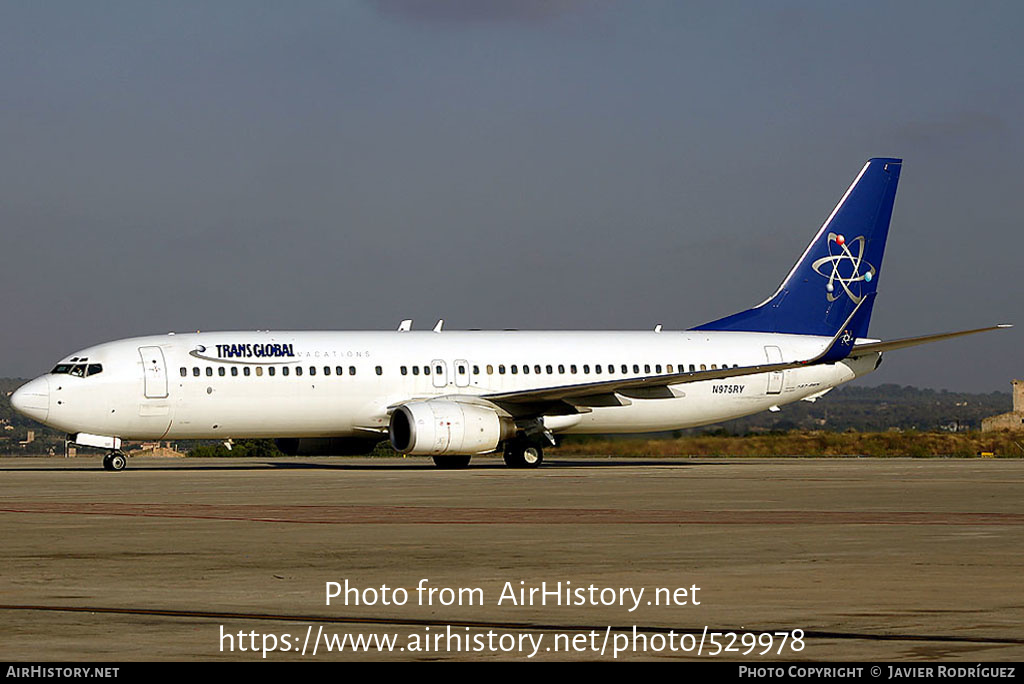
x: 846, y: 255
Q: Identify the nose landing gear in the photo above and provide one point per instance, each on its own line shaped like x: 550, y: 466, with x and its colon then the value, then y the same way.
x: 115, y: 460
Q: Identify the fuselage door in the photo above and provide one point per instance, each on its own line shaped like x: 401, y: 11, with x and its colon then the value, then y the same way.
x: 462, y: 373
x: 439, y: 372
x: 774, y: 355
x: 155, y: 372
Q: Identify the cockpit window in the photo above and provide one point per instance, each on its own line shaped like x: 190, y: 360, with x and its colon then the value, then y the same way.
x: 79, y: 370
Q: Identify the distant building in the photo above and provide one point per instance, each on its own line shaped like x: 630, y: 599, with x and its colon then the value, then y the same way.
x: 155, y: 449
x: 1014, y: 420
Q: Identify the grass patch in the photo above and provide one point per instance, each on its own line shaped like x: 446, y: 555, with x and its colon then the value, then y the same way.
x: 909, y: 444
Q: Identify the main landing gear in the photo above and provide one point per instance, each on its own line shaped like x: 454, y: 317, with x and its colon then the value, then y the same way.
x: 518, y: 453
x: 522, y: 454
x: 115, y: 460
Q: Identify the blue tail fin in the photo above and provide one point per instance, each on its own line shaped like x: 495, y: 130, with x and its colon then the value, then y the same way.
x: 837, y: 271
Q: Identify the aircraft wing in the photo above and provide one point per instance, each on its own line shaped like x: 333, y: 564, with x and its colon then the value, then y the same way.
x: 646, y: 386
x: 914, y: 341
x: 589, y: 389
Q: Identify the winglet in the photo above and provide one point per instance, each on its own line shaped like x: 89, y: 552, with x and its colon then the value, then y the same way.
x: 843, y: 341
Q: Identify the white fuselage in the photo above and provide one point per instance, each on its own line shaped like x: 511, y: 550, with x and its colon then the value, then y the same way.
x: 335, y: 384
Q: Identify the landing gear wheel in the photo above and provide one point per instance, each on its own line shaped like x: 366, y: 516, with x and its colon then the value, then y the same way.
x: 452, y: 462
x: 520, y: 455
x: 116, y: 461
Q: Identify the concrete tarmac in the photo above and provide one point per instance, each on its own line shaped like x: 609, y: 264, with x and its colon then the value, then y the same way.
x: 196, y: 559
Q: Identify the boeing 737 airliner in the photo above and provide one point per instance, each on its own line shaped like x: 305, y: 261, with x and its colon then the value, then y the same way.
x: 454, y: 395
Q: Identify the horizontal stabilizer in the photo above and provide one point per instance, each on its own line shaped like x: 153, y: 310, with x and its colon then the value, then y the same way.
x: 914, y: 341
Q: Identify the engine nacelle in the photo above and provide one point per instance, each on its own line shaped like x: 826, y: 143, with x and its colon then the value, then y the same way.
x: 436, y: 427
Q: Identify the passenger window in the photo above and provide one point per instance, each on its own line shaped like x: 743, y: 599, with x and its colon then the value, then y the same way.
x: 327, y: 370
x: 245, y: 371
x: 636, y: 368
x: 259, y: 371
x: 184, y: 372
x: 460, y: 368
x: 380, y: 371
x: 515, y: 369
x: 338, y: 370
x: 312, y: 370
x: 298, y: 370
x: 714, y: 366
x: 404, y: 370
x: 501, y: 369
x: 561, y: 368
x: 426, y: 370
x: 692, y: 368
x: 415, y: 370
x: 271, y: 370
x: 209, y: 371
x: 625, y: 369
x: 490, y: 369
x: 351, y: 370
x: 703, y: 366
x: 597, y: 369
x: 476, y: 370
x: 234, y: 371
x: 657, y: 368
x: 549, y: 369
x: 221, y: 371
x: 195, y: 371
x: 536, y: 369
x: 285, y: 370
x: 572, y: 369
x: 586, y: 368
x: 526, y: 369
x: 669, y: 369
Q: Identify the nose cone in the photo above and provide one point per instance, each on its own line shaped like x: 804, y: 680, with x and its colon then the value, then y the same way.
x: 33, y: 399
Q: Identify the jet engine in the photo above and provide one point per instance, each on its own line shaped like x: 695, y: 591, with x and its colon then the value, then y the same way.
x: 436, y: 427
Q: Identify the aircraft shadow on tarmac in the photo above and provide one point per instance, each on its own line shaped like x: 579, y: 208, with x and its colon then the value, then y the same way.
x: 82, y: 466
